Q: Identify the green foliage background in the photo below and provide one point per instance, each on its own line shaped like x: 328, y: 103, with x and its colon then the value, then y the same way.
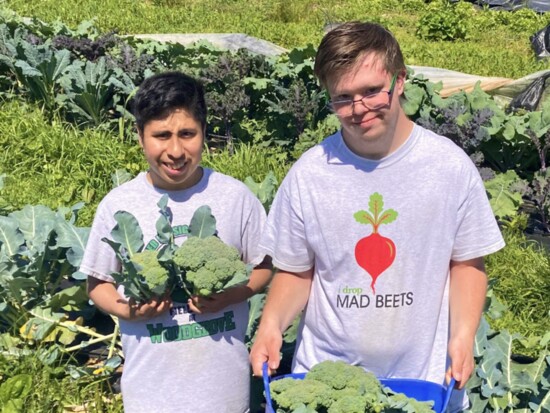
x: 458, y: 37
x: 54, y: 164
x: 521, y: 281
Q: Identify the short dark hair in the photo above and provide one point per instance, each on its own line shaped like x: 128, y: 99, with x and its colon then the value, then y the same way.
x: 343, y: 47
x: 163, y: 93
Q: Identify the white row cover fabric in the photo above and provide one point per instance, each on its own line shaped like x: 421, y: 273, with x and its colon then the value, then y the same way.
x: 501, y: 88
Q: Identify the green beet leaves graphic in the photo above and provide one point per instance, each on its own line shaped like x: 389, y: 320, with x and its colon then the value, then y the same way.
x: 375, y: 253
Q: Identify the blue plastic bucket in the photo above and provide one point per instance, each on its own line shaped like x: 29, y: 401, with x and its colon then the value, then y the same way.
x: 420, y: 390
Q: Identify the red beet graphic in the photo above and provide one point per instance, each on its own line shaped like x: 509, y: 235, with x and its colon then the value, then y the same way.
x: 375, y: 253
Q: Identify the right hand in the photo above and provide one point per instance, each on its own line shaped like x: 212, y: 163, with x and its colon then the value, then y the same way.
x: 266, y: 347
x: 150, y: 309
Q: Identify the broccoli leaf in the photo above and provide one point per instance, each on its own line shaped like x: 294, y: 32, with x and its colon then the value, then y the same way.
x: 165, y: 233
x: 127, y: 232
x: 203, y: 223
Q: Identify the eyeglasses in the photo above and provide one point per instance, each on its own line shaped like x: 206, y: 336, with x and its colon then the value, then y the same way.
x: 372, y: 101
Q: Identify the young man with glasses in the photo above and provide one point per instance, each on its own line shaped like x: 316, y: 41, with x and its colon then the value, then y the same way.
x: 378, y: 233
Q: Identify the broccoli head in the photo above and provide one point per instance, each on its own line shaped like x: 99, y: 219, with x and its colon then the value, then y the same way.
x: 339, y: 375
x: 154, y: 274
x: 289, y: 394
x: 349, y: 404
x: 208, y: 264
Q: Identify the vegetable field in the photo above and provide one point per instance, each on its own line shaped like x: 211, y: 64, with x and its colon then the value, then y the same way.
x: 67, y: 138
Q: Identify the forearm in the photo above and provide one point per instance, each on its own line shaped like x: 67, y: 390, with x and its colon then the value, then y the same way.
x: 466, y: 297
x: 468, y: 288
x: 287, y: 297
x: 258, y: 280
x: 259, y: 277
x: 107, y: 299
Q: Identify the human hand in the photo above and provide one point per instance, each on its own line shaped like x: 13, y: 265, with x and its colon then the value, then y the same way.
x: 218, y: 301
x: 461, y: 353
x: 150, y: 309
x: 266, y: 348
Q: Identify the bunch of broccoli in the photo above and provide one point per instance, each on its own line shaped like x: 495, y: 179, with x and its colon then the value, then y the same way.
x: 338, y: 387
x: 202, y: 265
x: 208, y: 265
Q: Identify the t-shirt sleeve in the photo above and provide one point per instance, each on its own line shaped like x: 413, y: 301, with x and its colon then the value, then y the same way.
x: 252, y: 226
x: 284, y: 238
x: 99, y: 259
x: 478, y: 233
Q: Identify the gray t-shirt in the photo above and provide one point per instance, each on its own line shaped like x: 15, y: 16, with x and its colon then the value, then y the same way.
x: 182, y: 361
x: 380, y: 236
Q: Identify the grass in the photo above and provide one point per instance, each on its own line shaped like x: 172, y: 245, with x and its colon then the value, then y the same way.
x: 248, y: 160
x: 521, y: 275
x: 52, y: 390
x: 53, y: 164
x: 498, y: 42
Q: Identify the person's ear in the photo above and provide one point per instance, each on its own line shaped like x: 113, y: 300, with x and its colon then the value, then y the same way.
x: 140, y: 136
x: 400, y: 82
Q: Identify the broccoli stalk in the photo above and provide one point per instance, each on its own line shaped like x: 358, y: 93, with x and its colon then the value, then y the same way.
x: 203, y: 265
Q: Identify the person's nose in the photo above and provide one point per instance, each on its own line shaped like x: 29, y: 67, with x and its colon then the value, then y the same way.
x: 358, y: 107
x: 176, y: 148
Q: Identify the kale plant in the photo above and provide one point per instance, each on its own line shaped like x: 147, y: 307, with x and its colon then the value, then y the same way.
x: 116, y: 51
x: 86, y: 48
x: 136, y: 67
x: 295, y: 106
x: 225, y: 92
x: 466, y: 130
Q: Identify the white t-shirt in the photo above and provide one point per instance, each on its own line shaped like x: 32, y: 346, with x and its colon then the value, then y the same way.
x: 379, y: 297
x: 180, y: 361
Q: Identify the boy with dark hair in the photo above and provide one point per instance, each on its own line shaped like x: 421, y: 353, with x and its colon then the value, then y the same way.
x: 163, y: 371
x: 378, y: 233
